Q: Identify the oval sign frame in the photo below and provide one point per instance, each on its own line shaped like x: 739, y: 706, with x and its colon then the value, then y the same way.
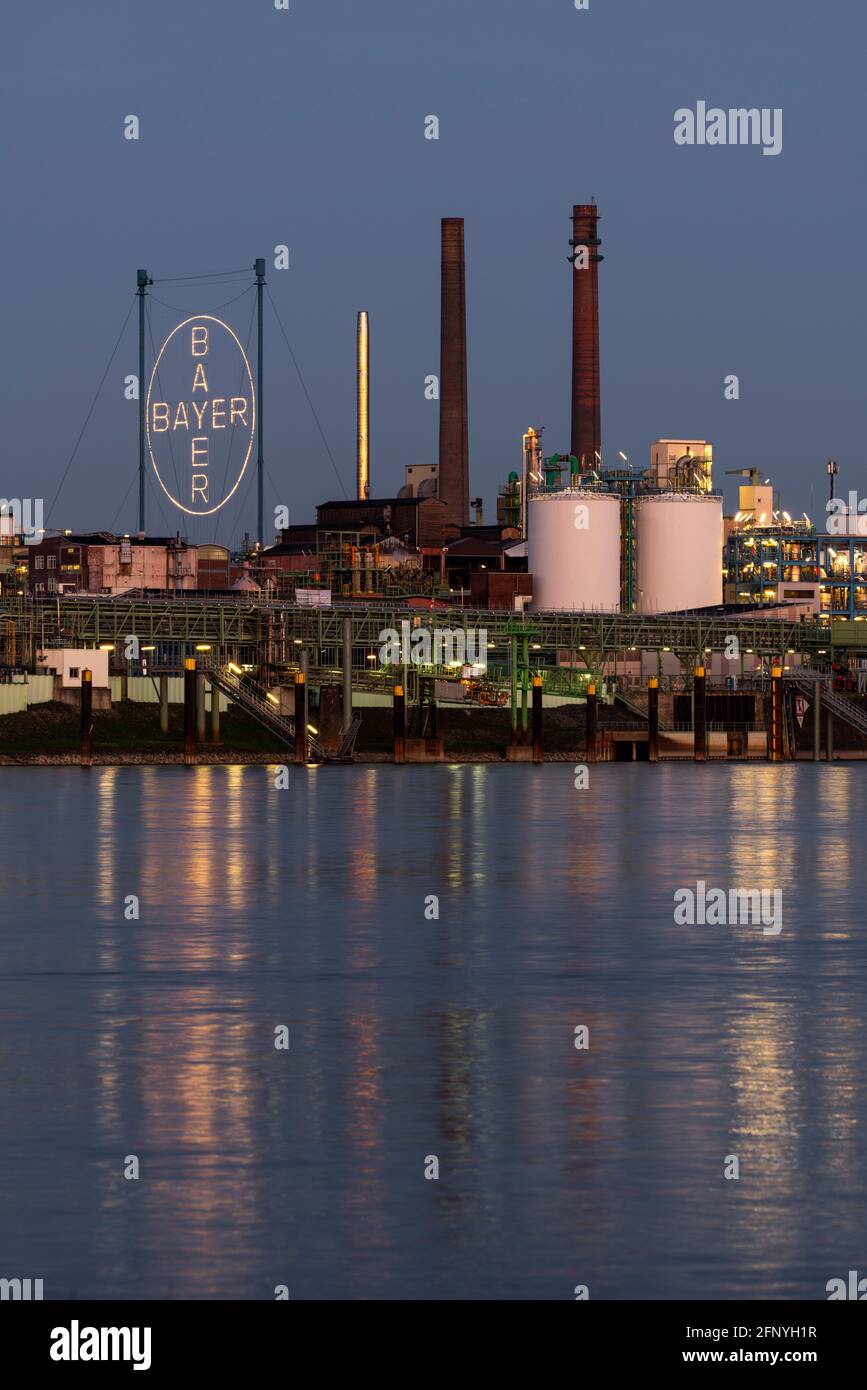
x: 202, y: 318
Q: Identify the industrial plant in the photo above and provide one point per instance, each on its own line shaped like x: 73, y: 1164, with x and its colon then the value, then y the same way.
x: 619, y: 594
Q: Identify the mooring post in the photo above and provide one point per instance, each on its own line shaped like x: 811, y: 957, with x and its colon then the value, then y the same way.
x: 86, y: 717
x: 537, y: 719
x: 347, y: 673
x: 776, y: 737
x: 190, y: 684
x: 699, y: 719
x: 304, y: 663
x: 300, y: 717
x: 215, y: 715
x: 591, y: 723
x: 525, y: 690
x: 164, y: 702
x: 817, y: 720
x: 653, y: 720
x: 829, y: 737
x: 201, y: 712
x: 513, y: 669
x: 399, y: 724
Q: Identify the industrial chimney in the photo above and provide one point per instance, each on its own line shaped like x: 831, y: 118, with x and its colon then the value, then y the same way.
x: 454, y: 468
x: 363, y: 414
x: 586, y: 425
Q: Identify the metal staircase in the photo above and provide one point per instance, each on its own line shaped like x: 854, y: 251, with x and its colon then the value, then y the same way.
x: 347, y: 743
x: 249, y: 696
x: 637, y: 703
x: 832, y: 700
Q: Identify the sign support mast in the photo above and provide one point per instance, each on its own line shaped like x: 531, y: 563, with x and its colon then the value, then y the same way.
x: 260, y: 456
x: 142, y: 280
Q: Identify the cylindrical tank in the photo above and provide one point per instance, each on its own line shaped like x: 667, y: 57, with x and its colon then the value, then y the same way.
x: 678, y: 550
x: 573, y: 550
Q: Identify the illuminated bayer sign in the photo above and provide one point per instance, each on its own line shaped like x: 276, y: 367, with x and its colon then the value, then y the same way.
x: 201, y: 415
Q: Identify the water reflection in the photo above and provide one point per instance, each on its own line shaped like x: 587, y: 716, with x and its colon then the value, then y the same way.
x: 415, y: 1033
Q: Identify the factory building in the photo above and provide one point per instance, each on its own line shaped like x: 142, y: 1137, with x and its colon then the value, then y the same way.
x: 13, y: 558
x: 611, y: 540
x: 422, y: 480
x: 679, y: 463
x: 419, y: 521
x: 789, y: 561
x: 772, y: 557
x: 100, y: 563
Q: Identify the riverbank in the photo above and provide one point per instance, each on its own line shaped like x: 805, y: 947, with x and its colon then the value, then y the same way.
x: 129, y: 734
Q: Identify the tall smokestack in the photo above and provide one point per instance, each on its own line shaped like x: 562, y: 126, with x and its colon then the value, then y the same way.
x: 363, y: 441
x: 586, y: 425
x: 454, y: 468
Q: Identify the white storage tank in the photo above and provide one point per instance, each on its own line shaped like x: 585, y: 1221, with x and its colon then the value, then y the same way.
x: 678, y: 551
x: 573, y: 550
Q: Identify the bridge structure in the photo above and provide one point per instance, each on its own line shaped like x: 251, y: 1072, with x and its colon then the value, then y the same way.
x: 271, y: 633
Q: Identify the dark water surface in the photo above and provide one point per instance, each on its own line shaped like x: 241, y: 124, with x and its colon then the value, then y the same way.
x: 412, y: 1037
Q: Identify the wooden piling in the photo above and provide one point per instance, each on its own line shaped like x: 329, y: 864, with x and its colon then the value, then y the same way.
x: 86, y: 717
x: 190, y: 744
x: 399, y: 724
x: 776, y: 729
x: 215, y: 716
x: 164, y: 702
x: 347, y: 673
x: 592, y: 716
x: 699, y: 720
x: 300, y: 717
x: 537, y: 719
x: 653, y: 720
x: 201, y: 712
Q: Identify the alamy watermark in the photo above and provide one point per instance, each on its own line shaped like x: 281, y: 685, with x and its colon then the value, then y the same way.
x: 718, y: 907
x: 442, y: 646
x: 738, y: 125
x: 846, y: 517
x: 22, y: 517
x: 854, y: 1288
x: 21, y: 1290
x: 77, y: 1343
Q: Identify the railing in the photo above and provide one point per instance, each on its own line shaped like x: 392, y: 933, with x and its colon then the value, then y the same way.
x: 837, y: 704
x: 249, y: 696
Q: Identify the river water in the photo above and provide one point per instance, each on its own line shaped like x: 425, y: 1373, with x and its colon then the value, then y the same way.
x: 414, y: 1037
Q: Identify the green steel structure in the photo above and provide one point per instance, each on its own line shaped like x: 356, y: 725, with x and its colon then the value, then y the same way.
x: 271, y: 630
